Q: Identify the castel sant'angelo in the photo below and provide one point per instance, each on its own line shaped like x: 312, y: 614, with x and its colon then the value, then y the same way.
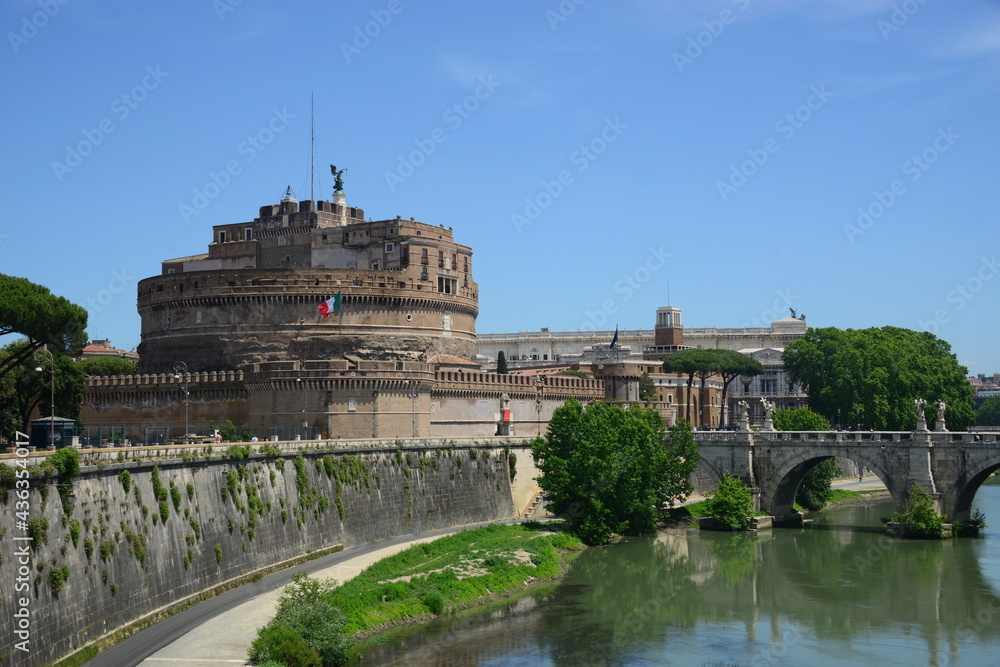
x: 237, y: 334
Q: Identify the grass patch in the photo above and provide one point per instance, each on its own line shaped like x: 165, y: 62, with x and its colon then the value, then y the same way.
x: 459, y: 571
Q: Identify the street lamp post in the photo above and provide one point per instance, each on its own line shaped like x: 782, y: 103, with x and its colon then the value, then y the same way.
x: 538, y: 402
x: 52, y: 396
x: 179, y: 368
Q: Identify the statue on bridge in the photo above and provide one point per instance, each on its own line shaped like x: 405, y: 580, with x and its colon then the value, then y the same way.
x: 940, y: 424
x: 743, y: 415
x: 919, y: 404
x: 768, y: 414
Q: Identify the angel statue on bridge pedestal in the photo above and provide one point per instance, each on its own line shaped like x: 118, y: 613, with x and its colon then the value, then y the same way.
x: 768, y: 408
x: 744, y: 411
x: 920, y: 404
x: 940, y: 409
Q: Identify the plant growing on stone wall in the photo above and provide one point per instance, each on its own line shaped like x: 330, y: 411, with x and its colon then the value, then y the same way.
x: 107, y: 548
x: 74, y: 531
x: 88, y: 547
x: 190, y: 491
x: 473, y: 454
x: 512, y: 464
x: 218, y: 554
x: 175, y: 496
x: 38, y: 531
x: 158, y: 489
x: 114, y: 589
x: 125, y: 477
x: 164, y: 511
x: 57, y: 578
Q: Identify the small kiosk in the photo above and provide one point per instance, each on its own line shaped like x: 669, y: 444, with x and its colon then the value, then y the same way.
x: 56, y: 432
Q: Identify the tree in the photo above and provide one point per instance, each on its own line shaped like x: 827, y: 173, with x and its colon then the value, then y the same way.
x: 800, y: 419
x: 730, y: 365
x: 872, y: 376
x: 576, y: 374
x: 41, y: 317
x: 727, y: 364
x: 606, y: 471
x: 647, y: 390
x: 731, y: 503
x: 814, y: 489
x: 690, y: 362
x: 502, y: 363
x: 989, y: 412
x: 107, y: 366
x: 25, y: 388
x: 919, y: 515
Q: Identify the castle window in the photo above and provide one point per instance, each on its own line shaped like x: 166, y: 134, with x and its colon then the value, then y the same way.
x: 447, y: 285
x: 248, y: 233
x: 423, y: 256
x: 440, y: 258
x: 352, y: 404
x: 768, y: 386
x: 389, y: 247
x: 465, y: 260
x: 222, y: 237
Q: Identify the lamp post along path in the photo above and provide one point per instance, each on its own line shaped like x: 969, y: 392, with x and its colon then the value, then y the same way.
x: 181, y: 368
x: 52, y: 395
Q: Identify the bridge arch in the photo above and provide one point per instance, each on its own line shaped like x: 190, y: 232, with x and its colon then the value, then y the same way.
x: 957, y: 504
x: 778, y: 491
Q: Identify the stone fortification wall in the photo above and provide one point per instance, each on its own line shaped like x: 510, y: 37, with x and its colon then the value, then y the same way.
x: 129, y: 553
x: 134, y: 402
x: 227, y: 320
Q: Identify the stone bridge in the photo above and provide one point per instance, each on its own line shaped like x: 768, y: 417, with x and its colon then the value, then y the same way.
x: 950, y: 467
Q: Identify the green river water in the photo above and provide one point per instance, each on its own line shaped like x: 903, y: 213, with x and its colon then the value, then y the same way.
x: 837, y: 592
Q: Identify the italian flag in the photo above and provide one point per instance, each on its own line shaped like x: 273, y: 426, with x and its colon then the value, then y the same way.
x: 331, y: 305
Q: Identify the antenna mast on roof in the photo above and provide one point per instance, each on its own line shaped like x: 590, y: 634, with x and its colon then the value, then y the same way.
x: 312, y: 149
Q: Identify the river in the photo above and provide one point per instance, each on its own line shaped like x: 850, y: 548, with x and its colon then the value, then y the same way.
x: 837, y: 592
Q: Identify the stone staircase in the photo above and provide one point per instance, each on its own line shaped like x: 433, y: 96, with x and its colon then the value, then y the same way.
x: 529, y: 510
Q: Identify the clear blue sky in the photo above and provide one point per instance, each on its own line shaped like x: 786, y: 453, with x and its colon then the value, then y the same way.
x: 722, y: 146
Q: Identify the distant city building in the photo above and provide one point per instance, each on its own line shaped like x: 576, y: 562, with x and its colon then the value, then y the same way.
x: 103, y: 348
x: 642, y: 350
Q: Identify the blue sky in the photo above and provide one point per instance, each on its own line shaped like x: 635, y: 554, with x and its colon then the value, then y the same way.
x: 837, y: 157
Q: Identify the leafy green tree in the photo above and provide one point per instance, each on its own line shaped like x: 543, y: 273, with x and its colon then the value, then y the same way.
x: 647, y: 390
x: 872, y: 376
x: 800, y: 419
x: 41, y: 317
x: 731, y: 503
x: 572, y: 373
x: 25, y: 388
x: 989, y: 413
x: 919, y: 515
x: 502, y: 363
x: 814, y: 490
x: 107, y: 366
x: 606, y: 470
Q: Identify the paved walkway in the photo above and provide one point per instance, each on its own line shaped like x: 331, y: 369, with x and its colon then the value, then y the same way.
x: 224, y: 639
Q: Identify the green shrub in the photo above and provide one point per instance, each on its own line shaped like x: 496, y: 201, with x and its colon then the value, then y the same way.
x: 731, y: 503
x: 125, y: 477
x: 66, y: 461
x: 434, y: 601
x: 74, y: 531
x: 919, y: 515
x: 190, y: 491
x: 218, y: 554
x: 38, y: 531
x: 164, y: 511
x: 58, y: 577
x: 175, y: 496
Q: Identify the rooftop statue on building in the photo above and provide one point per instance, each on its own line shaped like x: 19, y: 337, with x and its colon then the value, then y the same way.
x: 338, y: 178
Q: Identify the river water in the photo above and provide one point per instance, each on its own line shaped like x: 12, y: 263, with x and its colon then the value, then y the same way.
x: 837, y: 592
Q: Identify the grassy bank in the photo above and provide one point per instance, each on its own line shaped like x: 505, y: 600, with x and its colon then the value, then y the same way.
x: 455, y: 572
x: 837, y: 497
x: 468, y: 569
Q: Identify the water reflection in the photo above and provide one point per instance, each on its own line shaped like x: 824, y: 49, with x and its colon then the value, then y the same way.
x: 835, y: 592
